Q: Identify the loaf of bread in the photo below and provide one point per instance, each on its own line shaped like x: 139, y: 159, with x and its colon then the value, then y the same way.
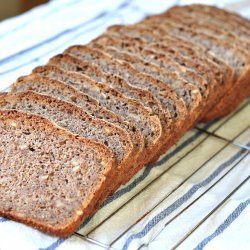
x: 76, y: 129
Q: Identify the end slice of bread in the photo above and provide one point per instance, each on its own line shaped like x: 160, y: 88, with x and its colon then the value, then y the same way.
x: 68, y: 173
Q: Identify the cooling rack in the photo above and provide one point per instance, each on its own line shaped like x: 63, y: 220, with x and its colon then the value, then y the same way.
x: 208, y: 157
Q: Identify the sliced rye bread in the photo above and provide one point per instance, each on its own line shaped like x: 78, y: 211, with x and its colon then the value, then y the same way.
x: 158, y: 39
x: 121, y: 85
x: 230, y: 53
x: 67, y: 172
x: 50, y: 74
x: 161, y: 42
x: 44, y: 81
x: 132, y: 48
x: 113, y: 80
x: 241, y: 45
x: 166, y: 96
x: 227, y: 25
x: 190, y: 94
x: 139, y: 57
x: 57, y: 89
x: 77, y: 121
x: 124, y: 71
x: 235, y: 56
x: 98, y: 74
x: 113, y: 100
x: 131, y: 75
x: 157, y: 51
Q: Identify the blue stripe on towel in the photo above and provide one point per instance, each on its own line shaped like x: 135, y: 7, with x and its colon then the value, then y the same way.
x: 184, y: 198
x: 229, y: 220
x: 55, y: 244
x: 3, y: 220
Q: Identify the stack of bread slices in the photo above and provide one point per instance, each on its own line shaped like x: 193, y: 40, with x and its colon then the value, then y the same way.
x: 76, y: 129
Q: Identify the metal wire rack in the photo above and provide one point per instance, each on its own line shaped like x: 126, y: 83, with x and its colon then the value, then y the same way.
x: 244, y: 147
x: 207, y: 132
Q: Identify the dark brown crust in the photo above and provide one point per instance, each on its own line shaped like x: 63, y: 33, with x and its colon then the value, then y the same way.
x: 75, y: 222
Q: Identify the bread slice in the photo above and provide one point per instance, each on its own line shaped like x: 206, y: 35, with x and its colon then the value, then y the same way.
x: 50, y: 178
x: 231, y: 54
x: 198, y: 57
x: 77, y: 121
x: 131, y: 75
x: 113, y: 100
x: 67, y: 93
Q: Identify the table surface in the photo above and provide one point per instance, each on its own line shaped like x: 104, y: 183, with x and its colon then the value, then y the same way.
x: 195, y: 196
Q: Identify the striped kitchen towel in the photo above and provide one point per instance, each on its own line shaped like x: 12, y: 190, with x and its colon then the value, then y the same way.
x: 195, y: 197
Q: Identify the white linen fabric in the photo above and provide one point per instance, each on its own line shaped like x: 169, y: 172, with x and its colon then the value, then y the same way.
x: 197, y: 196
